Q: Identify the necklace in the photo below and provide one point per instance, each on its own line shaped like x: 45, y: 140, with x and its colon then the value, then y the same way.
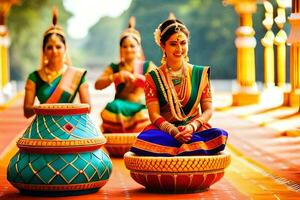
x: 52, y: 74
x: 127, y: 67
x: 181, y: 94
x: 176, y: 76
x: 170, y: 93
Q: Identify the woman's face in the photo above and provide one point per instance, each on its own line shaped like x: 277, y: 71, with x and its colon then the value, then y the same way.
x: 176, y: 47
x: 130, y: 49
x: 55, y: 50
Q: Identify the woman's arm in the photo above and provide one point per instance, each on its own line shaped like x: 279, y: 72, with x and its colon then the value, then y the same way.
x: 84, y: 94
x: 108, y: 77
x: 105, y: 79
x: 206, y: 108
x: 29, y: 98
x: 154, y: 112
x: 207, y: 111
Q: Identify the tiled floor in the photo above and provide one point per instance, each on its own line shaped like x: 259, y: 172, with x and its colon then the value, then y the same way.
x: 265, y: 164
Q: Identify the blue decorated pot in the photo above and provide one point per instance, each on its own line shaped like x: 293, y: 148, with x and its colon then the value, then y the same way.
x: 60, y: 153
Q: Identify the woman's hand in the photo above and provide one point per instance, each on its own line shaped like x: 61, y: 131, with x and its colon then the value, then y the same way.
x: 126, y: 76
x: 140, y: 76
x: 185, y: 134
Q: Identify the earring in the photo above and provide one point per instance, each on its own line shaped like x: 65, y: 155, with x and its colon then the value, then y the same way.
x: 164, y: 58
x: 64, y: 58
x: 139, y: 55
x: 122, y: 59
x: 45, y: 60
x: 186, y: 58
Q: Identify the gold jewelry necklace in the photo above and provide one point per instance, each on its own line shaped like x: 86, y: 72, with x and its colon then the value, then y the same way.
x: 179, y: 78
x: 172, y: 87
x: 177, y: 75
x: 52, y: 74
x: 168, y: 90
x: 184, y: 85
x: 175, y: 72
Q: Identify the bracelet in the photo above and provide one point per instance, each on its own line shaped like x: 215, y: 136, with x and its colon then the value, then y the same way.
x: 174, y: 131
x: 200, y: 121
x: 111, y: 77
x: 159, y: 121
x: 168, y: 128
x: 194, y: 126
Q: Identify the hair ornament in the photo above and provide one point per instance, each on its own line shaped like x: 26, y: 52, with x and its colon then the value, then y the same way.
x: 55, y: 28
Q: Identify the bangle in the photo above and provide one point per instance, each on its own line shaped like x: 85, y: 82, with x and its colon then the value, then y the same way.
x: 194, y: 126
x: 159, y: 121
x: 168, y: 128
x: 200, y: 121
x: 111, y: 77
x: 174, y: 131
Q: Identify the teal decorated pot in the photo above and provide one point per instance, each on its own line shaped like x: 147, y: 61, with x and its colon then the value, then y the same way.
x: 60, y: 153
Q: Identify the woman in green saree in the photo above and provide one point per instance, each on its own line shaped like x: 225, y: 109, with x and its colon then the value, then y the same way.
x: 127, y: 113
x: 56, y: 81
x: 178, y: 98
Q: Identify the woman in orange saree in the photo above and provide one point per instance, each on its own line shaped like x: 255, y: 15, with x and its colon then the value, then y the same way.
x: 56, y: 81
x: 178, y: 98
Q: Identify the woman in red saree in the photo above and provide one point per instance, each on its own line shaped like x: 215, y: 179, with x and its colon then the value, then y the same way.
x: 56, y: 81
x: 179, y: 102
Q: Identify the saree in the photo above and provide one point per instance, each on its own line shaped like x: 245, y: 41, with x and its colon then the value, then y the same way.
x: 124, y: 115
x: 62, y: 89
x: 158, y: 89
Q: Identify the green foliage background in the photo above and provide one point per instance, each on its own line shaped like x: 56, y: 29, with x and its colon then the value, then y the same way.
x: 212, y: 26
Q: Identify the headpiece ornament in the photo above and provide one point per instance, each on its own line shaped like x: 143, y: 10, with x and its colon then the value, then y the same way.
x: 131, y: 31
x: 55, y: 28
x: 158, y: 32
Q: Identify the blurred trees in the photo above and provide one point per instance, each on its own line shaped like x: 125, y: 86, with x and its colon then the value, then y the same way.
x: 102, y: 44
x: 212, y: 26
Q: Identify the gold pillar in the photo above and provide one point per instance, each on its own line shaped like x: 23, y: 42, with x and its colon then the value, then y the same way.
x: 245, y: 44
x: 5, y: 6
x: 280, y: 42
x: 292, y: 97
x: 4, y: 65
x: 268, y: 41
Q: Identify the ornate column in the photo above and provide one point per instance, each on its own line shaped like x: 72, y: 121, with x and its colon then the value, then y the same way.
x: 245, y: 44
x: 268, y: 41
x: 5, y: 6
x: 4, y: 64
x: 292, y: 97
x: 280, y: 41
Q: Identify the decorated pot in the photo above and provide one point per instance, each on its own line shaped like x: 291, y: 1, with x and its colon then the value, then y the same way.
x: 117, y: 144
x: 177, y: 174
x: 60, y: 153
